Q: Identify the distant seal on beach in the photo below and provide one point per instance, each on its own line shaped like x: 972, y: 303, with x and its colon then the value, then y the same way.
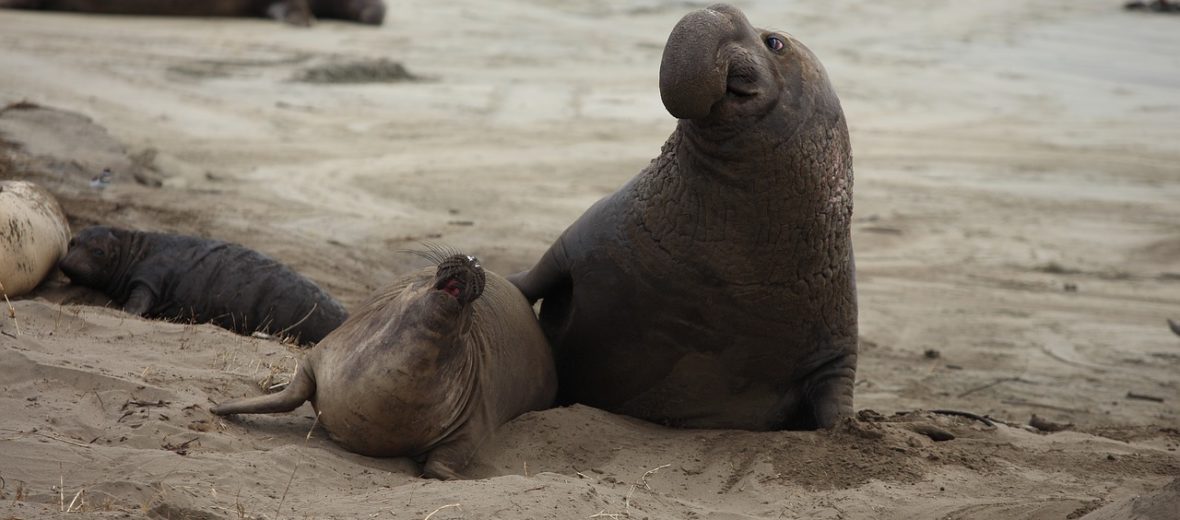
x: 299, y: 12
x: 185, y: 278
x: 33, y: 235
x: 1160, y: 6
x: 429, y: 368
x: 716, y: 289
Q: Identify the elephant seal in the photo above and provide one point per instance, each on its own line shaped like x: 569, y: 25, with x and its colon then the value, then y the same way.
x: 429, y: 367
x: 33, y: 235
x: 716, y: 288
x: 177, y: 277
x: 299, y: 12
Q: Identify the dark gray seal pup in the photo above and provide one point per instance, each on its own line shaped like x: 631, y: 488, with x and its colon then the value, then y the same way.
x: 429, y: 368
x: 716, y: 288
x: 299, y: 12
x: 193, y: 279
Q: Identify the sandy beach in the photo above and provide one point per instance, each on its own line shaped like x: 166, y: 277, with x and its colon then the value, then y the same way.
x: 1016, y: 227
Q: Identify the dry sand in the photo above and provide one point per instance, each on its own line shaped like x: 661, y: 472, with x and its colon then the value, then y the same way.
x: 1004, y: 150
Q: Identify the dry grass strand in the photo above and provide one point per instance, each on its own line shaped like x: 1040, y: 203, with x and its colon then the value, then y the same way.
x: 432, y: 513
x: 279, y: 509
x: 11, y: 309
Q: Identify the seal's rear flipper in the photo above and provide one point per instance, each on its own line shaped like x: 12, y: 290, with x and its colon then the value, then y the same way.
x: 301, y: 389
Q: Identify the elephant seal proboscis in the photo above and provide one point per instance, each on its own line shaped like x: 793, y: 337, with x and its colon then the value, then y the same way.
x: 193, y: 279
x: 33, y: 235
x: 716, y: 289
x: 299, y: 12
x: 429, y: 367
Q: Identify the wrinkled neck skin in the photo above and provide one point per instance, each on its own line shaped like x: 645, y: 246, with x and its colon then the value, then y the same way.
x: 435, y: 345
x: 779, y: 183
x: 439, y: 352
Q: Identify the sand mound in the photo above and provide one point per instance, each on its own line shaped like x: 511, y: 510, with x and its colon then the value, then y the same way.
x: 117, y: 406
x: 379, y: 70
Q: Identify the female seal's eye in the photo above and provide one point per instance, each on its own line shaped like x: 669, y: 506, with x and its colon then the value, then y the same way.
x: 774, y: 43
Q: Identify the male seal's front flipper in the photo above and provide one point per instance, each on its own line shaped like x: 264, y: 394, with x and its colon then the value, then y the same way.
x: 550, y: 271
x: 300, y: 390
x: 829, y: 391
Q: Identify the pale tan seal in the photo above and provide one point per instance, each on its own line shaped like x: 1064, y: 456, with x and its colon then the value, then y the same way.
x: 428, y: 368
x: 34, y: 234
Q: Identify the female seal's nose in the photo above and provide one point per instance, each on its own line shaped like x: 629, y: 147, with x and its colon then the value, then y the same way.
x: 462, y: 274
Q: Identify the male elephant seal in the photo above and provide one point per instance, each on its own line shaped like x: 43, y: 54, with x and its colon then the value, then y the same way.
x: 204, y: 281
x: 300, y: 12
x: 716, y: 288
x: 429, y: 367
x: 33, y: 235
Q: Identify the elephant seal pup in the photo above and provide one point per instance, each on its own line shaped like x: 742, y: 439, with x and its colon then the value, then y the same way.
x: 33, y: 235
x: 716, y: 288
x: 299, y: 12
x: 187, y: 278
x: 429, y: 367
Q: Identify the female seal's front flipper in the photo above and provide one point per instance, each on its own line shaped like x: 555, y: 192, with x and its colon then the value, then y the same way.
x: 300, y: 390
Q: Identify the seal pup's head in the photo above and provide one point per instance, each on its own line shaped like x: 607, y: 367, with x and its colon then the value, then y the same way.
x: 92, y: 257
x: 720, y: 73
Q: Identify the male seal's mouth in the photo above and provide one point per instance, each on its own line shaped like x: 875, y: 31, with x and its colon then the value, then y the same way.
x: 740, y: 85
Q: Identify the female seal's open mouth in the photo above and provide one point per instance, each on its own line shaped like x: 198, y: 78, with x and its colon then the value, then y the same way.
x: 451, y: 286
x: 460, y: 276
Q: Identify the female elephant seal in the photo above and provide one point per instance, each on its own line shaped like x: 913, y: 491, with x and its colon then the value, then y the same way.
x: 33, y: 235
x: 716, y: 288
x: 185, y: 278
x: 429, y: 367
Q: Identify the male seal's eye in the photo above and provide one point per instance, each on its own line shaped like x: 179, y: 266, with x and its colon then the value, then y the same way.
x: 774, y: 43
x: 97, y: 252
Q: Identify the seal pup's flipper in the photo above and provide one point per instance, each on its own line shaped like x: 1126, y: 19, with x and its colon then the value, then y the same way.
x: 301, y: 389
x: 140, y: 301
